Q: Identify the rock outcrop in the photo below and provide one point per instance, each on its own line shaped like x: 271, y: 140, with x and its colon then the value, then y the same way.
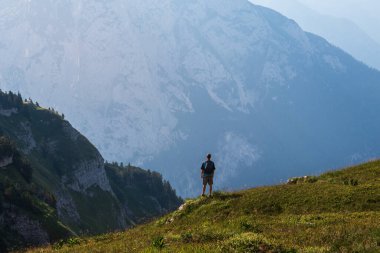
x: 5, y: 161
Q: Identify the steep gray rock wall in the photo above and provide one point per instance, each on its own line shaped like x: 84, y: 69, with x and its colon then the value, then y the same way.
x: 88, y: 174
x: 29, y: 229
x: 67, y: 211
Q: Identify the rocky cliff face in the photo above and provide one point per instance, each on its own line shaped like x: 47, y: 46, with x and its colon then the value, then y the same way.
x: 5, y: 161
x: 88, y: 174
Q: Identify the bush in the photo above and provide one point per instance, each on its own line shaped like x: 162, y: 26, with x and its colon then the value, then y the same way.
x: 71, y: 242
x: 158, y: 242
x: 248, y: 227
x: 187, y: 237
x: 350, y: 181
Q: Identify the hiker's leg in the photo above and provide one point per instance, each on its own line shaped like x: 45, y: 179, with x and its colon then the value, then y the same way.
x: 211, y: 182
x: 203, y: 190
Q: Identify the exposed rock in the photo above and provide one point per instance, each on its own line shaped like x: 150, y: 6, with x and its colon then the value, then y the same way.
x: 157, y: 205
x: 26, y: 136
x: 8, y: 112
x: 71, y: 132
x: 66, y: 207
x: 30, y: 230
x: 304, y: 179
x: 182, y: 207
x: 87, y: 174
x: 6, y: 161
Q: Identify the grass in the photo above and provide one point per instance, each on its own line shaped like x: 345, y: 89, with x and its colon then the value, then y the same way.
x: 326, y: 214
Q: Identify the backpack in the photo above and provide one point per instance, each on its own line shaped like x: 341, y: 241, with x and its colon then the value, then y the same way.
x: 208, y: 167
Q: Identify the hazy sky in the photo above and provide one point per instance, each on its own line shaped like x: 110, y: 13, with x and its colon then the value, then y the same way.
x: 364, y: 13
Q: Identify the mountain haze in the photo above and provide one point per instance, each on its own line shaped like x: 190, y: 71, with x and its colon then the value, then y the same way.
x: 161, y: 83
x: 342, y: 32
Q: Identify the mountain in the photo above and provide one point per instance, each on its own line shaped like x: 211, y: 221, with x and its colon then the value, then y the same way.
x: 54, y: 183
x: 342, y: 32
x: 162, y: 83
x: 338, y: 211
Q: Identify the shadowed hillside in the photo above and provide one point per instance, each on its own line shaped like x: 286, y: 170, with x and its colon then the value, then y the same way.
x: 54, y: 182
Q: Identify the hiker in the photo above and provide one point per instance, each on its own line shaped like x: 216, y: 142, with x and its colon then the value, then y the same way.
x: 207, y: 174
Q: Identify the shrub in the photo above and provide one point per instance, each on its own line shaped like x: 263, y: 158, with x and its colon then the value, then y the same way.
x: 350, y: 181
x: 71, y: 242
x: 187, y: 237
x: 158, y: 242
x: 311, y: 179
x: 247, y: 226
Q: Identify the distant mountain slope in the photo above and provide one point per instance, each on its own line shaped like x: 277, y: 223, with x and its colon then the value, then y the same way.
x: 342, y: 32
x: 54, y: 182
x: 336, y: 212
x: 363, y: 13
x: 161, y: 83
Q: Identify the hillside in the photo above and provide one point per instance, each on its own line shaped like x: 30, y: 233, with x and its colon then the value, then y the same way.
x: 54, y: 183
x: 28, y: 213
x: 336, y: 212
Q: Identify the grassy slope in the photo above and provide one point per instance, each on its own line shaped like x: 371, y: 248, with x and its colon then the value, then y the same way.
x: 340, y: 212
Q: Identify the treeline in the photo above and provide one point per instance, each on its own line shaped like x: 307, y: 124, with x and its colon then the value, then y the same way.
x: 142, y: 182
x: 10, y: 100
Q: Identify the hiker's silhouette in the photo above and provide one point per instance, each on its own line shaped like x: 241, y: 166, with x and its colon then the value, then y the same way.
x: 207, y: 174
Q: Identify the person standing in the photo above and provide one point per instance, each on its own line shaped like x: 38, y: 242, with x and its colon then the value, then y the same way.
x: 207, y: 174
